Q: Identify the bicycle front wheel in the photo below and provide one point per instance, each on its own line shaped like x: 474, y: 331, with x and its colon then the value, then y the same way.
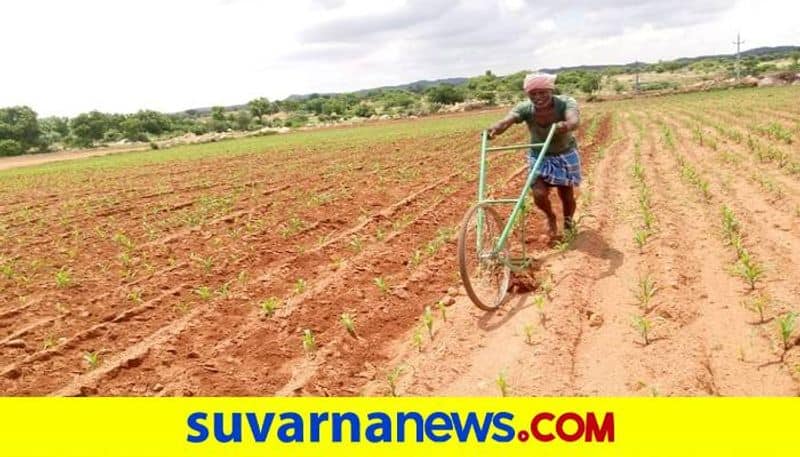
x: 485, y: 276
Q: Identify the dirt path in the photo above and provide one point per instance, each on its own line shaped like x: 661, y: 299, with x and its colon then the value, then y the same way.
x: 7, y: 163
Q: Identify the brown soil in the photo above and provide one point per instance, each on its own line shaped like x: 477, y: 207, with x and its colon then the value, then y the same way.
x: 167, y: 270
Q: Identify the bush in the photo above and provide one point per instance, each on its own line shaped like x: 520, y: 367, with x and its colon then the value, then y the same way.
x: 10, y: 148
x: 445, y: 94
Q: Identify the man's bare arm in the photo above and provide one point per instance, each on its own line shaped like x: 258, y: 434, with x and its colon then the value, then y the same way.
x: 502, y: 125
x: 570, y: 123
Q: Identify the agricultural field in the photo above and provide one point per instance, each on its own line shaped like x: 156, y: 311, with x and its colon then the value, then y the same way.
x: 324, y: 262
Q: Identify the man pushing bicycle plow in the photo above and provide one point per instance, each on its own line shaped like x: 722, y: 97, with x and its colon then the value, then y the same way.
x: 561, y: 166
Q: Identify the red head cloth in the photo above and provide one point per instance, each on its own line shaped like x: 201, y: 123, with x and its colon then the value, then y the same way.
x: 539, y: 81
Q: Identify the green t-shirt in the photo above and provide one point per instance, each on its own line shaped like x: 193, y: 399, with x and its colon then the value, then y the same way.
x: 562, y: 142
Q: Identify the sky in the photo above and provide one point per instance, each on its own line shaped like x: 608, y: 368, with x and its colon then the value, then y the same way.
x: 67, y: 57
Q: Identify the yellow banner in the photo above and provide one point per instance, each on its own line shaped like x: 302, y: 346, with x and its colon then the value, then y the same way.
x: 354, y: 427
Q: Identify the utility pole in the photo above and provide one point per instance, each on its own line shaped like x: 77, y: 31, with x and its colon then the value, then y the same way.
x: 738, y: 44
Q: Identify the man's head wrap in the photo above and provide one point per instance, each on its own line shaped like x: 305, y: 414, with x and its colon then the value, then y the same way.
x: 539, y: 81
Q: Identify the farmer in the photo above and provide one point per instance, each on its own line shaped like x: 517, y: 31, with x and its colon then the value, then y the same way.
x: 561, y: 167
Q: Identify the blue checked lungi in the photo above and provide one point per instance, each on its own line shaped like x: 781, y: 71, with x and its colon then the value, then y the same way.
x: 559, y: 170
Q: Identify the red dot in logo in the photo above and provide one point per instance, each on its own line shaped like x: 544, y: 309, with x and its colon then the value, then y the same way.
x: 523, y: 436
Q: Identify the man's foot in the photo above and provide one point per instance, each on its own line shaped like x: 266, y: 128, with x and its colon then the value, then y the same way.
x: 569, y: 224
x: 552, y: 226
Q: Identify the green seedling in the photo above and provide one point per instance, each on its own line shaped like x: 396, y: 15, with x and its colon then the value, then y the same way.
x: 758, y: 305
x: 529, y: 330
x: 63, y: 278
x: 7, y: 270
x: 182, y: 307
x: 269, y: 305
x: 546, y: 285
x: 427, y: 319
x: 391, y: 379
x: 349, y: 323
x: 380, y: 234
x: 643, y: 325
x: 640, y: 237
x: 241, y: 278
x: 749, y: 269
x: 49, y: 342
x: 309, y: 342
x: 356, y: 244
x: 539, y: 300
x: 224, y: 290
x: 135, y: 296
x: 207, y: 263
x: 92, y: 359
x: 645, y: 292
x: 382, y: 285
x: 204, y: 292
x: 502, y: 383
x: 787, y: 325
x: 416, y: 257
x: 299, y: 286
x: 416, y: 339
x: 440, y: 306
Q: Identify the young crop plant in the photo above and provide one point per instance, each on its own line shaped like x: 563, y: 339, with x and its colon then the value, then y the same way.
x: 382, y: 285
x: 787, y: 325
x: 49, y: 342
x: 349, y: 323
x: 292, y: 227
x: 442, y: 309
x: 643, y: 325
x: 640, y: 236
x: 416, y: 338
x: 309, y: 342
x: 299, y: 286
x: 645, y: 292
x: 759, y: 304
x: 92, y: 359
x: 63, y: 278
x: 269, y: 305
x: 502, y: 383
x: 135, y: 296
x: 427, y: 319
x: 182, y: 307
x: 356, y: 244
x: 391, y: 379
x: 539, y: 300
x: 546, y: 286
x: 204, y: 292
x: 207, y: 263
x: 416, y: 258
x: 749, y: 269
x: 529, y: 331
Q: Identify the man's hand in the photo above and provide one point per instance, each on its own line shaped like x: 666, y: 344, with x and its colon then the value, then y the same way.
x: 493, y: 131
x: 562, y: 127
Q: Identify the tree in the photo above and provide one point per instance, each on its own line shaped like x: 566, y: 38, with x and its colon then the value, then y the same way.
x: 590, y: 83
x: 260, y: 106
x: 20, y: 128
x: 445, y: 94
x: 795, y: 61
x: 89, y: 127
x: 243, y: 119
x: 218, y: 113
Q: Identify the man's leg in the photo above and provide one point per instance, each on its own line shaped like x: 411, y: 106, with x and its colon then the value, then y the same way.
x: 567, y: 196
x: 541, y: 193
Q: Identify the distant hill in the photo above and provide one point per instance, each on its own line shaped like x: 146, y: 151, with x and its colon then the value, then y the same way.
x: 755, y: 52
x: 416, y: 86
x: 419, y: 86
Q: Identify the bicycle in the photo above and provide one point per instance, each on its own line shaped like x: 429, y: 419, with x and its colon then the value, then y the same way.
x: 484, y: 258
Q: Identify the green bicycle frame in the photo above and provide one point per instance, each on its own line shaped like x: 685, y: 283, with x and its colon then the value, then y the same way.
x: 518, y: 202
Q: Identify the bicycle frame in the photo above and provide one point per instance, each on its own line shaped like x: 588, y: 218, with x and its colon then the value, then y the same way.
x: 518, y: 202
